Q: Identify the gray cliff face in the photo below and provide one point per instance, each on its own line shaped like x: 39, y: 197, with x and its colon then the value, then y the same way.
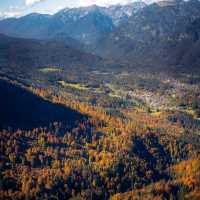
x: 166, y: 34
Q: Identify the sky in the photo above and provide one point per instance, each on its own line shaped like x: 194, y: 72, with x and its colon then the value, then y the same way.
x: 15, y: 8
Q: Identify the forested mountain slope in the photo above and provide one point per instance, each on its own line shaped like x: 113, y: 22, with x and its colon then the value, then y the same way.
x: 163, y: 35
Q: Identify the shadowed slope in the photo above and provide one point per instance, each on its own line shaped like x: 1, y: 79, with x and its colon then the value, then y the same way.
x: 22, y: 109
x: 27, y: 53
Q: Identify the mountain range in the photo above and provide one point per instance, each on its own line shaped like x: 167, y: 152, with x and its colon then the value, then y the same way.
x: 160, y: 34
x: 165, y: 33
x: 85, y: 24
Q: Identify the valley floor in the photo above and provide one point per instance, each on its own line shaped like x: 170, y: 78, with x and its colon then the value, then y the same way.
x: 137, y: 137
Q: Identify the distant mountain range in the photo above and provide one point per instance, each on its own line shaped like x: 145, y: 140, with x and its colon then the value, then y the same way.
x: 85, y: 24
x: 166, y: 33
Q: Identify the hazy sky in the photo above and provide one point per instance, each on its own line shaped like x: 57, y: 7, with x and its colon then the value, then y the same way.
x: 11, y: 8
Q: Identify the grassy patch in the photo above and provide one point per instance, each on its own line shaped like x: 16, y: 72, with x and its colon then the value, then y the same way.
x: 49, y: 69
x: 76, y: 86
